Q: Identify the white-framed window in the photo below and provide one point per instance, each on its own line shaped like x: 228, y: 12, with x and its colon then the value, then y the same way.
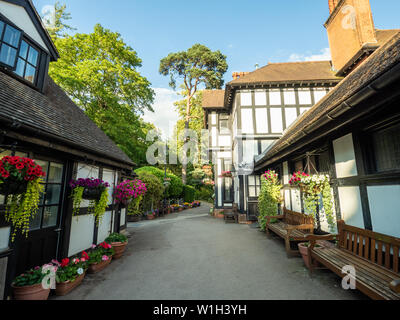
x: 254, y: 186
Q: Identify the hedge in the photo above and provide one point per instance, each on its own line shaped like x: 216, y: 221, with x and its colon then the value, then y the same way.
x: 189, y: 193
x: 175, y: 187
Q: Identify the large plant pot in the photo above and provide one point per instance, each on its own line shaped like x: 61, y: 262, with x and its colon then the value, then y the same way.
x: 134, y: 218
x: 92, y: 194
x: 304, y: 253
x: 119, y: 248
x: 97, y: 267
x: 11, y: 186
x: 150, y: 217
x: 34, y: 292
x: 63, y: 288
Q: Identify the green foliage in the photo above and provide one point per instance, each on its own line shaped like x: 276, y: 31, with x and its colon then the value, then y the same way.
x: 71, y: 271
x: 175, y: 188
x: 99, y: 72
x: 189, y: 193
x: 58, y: 28
x: 155, y: 188
x: 116, y: 237
x: 76, y: 195
x: 21, y: 208
x: 270, y: 197
x: 205, y: 193
x: 134, y: 206
x: 100, y: 207
x: 96, y: 255
x: 31, y: 277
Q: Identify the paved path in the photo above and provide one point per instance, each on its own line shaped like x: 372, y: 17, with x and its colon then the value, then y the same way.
x: 190, y: 255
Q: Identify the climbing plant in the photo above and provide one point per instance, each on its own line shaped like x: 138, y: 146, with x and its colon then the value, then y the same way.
x: 270, y: 197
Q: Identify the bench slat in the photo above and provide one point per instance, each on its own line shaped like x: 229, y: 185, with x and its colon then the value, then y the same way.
x: 396, y: 259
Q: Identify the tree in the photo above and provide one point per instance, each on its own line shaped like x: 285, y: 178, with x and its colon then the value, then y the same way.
x: 99, y: 72
x: 196, y: 67
x: 55, y: 21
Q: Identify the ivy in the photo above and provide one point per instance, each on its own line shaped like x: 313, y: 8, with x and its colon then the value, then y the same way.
x: 99, y: 208
x: 270, y: 197
x: 21, y: 208
x: 76, y: 196
x: 134, y: 206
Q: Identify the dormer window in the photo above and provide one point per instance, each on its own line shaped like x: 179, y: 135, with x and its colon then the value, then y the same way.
x: 9, y: 44
x: 27, y: 62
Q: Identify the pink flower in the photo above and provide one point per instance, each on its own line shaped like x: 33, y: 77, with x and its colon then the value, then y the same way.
x: 93, y: 246
x: 104, y: 258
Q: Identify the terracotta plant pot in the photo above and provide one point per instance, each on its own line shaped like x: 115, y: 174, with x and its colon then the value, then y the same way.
x: 180, y: 209
x: 35, y: 292
x: 304, y: 253
x: 150, y: 217
x: 119, y: 248
x: 63, y: 288
x: 97, y: 267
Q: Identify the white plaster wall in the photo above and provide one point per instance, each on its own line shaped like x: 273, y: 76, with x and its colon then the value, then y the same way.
x: 245, y: 99
x: 384, y: 204
x: 261, y: 120
x: 247, y: 120
x: 224, y: 141
x: 104, y: 227
x: 287, y: 199
x: 123, y: 217
x: 21, y: 19
x: 109, y: 176
x: 276, y: 120
x: 350, y: 206
x: 345, y: 159
x: 285, y: 173
x: 260, y: 98
x: 4, y: 237
x: 323, y: 221
x: 219, y: 186
x: 296, y: 204
x: 81, y: 238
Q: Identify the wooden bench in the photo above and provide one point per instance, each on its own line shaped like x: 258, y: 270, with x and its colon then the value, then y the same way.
x: 231, y: 215
x: 292, y: 227
x: 374, y: 256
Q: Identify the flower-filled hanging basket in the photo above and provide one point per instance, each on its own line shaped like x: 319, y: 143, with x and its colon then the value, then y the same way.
x: 226, y: 174
x: 94, y: 190
x: 20, y: 182
x: 129, y: 193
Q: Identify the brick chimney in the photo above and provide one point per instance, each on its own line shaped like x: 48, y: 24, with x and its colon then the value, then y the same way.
x: 237, y: 75
x: 351, y: 33
x: 332, y: 5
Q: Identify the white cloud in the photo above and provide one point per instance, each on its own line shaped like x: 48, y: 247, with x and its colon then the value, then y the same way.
x: 325, y: 54
x: 164, y: 116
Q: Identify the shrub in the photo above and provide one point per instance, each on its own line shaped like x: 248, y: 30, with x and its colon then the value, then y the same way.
x: 189, y: 193
x: 205, y: 193
x: 155, y: 190
x: 175, y: 187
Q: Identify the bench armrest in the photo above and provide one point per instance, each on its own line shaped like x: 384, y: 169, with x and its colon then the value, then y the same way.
x: 395, y: 286
x: 312, y: 238
x: 274, y: 217
x: 300, y: 227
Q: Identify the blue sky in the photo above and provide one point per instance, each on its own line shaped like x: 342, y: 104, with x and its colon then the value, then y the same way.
x: 248, y: 32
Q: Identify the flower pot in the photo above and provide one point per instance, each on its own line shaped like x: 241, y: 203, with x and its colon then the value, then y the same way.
x: 92, y: 194
x: 180, y: 209
x: 304, y: 253
x: 34, y: 292
x: 119, y: 248
x: 150, y: 217
x: 11, y: 186
x: 63, y: 288
x: 97, y: 267
x: 134, y: 218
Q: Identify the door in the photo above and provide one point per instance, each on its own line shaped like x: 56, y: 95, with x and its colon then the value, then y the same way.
x: 43, y: 241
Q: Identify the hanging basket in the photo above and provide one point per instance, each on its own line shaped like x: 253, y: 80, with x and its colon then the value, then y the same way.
x: 12, y: 187
x: 92, y: 194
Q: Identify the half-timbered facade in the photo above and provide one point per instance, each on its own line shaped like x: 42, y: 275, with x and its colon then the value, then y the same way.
x: 38, y: 120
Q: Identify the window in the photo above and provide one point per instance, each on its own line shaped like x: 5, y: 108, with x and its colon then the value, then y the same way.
x: 27, y: 62
x: 384, y: 149
x: 224, y: 127
x: 9, y: 44
x: 47, y: 215
x: 254, y: 186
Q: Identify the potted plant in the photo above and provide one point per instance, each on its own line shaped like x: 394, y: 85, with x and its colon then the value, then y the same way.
x: 129, y: 193
x: 119, y: 242
x: 20, y: 183
x: 303, y: 248
x: 94, y: 190
x: 150, y: 215
x: 70, y: 273
x: 100, y: 257
x: 32, y: 285
x: 226, y: 174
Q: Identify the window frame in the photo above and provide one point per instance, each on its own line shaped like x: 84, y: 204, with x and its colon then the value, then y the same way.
x: 37, y: 67
x: 9, y: 23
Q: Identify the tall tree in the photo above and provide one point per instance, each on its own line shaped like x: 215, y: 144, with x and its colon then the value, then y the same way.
x: 55, y: 21
x: 99, y: 72
x: 196, y: 67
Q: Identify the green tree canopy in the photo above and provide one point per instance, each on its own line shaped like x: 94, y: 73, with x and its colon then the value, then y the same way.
x: 55, y: 21
x: 196, y: 67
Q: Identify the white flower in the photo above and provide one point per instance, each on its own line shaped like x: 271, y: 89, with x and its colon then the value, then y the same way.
x: 80, y: 271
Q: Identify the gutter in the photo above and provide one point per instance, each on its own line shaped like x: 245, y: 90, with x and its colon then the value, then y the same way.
x: 350, y: 103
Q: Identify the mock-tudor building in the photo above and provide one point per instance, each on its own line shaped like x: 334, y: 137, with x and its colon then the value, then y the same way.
x: 285, y: 115
x: 38, y: 120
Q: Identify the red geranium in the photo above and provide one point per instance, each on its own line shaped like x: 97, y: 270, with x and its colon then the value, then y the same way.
x: 85, y: 255
x: 64, y: 262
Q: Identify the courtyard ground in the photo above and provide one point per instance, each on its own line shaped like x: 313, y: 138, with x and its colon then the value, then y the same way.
x: 193, y: 256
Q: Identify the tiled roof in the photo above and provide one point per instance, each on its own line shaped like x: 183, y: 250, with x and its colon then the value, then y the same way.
x: 56, y: 114
x: 289, y: 72
x: 381, y: 61
x: 213, y: 98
